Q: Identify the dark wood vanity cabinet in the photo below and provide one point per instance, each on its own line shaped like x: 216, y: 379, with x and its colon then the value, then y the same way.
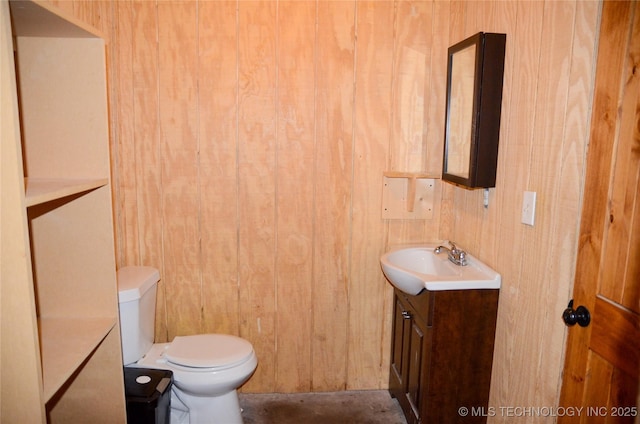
x: 442, y: 352
x: 409, y: 355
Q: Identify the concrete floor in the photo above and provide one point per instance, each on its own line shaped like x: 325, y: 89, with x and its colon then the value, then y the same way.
x: 349, y: 407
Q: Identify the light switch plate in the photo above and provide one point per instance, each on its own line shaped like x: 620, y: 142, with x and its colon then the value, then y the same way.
x: 529, y: 207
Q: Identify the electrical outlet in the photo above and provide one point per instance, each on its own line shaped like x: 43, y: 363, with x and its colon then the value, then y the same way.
x: 529, y: 207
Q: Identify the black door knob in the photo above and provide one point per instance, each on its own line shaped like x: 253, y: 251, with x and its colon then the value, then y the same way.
x: 580, y: 315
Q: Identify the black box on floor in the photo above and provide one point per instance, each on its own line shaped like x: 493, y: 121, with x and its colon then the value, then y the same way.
x: 148, y: 394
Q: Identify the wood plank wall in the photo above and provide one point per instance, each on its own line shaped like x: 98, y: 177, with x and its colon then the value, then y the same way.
x: 249, y: 143
x: 544, y: 133
x: 251, y: 138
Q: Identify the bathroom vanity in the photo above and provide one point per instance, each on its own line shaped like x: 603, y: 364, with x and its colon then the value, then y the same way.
x: 441, y: 354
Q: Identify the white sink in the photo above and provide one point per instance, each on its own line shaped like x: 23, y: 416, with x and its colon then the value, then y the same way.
x: 414, y: 268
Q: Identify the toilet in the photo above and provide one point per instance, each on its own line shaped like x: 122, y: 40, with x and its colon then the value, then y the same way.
x: 207, y: 368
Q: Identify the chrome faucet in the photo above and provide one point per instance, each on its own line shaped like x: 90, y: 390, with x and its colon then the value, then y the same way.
x: 457, y: 256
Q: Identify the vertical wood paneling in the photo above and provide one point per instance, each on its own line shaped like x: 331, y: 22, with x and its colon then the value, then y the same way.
x: 563, y: 230
x: 478, y: 17
x: 147, y: 155
x: 218, y: 122
x: 434, y: 111
x: 248, y: 156
x: 498, y: 218
x: 436, y: 88
x: 412, y: 52
x: 456, y: 18
x: 525, y: 43
x: 295, y: 195
x: 178, y: 102
x: 257, y: 184
x: 502, y: 19
x: 334, y: 168
x: 123, y: 144
x: 546, y: 170
x: 412, y: 56
x: 544, y: 119
x: 369, y: 347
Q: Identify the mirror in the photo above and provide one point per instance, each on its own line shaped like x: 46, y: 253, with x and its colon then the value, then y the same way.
x: 475, y: 71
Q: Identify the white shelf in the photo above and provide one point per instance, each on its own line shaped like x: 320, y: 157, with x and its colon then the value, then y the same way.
x: 66, y: 344
x: 42, y: 190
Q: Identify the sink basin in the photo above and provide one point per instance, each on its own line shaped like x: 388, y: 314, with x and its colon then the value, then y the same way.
x: 415, y: 268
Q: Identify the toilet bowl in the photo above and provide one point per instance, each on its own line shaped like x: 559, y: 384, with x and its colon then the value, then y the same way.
x: 207, y: 368
x: 204, y: 385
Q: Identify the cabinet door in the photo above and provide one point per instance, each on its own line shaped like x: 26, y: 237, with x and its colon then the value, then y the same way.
x: 409, y: 359
x: 400, y: 337
x: 417, y: 356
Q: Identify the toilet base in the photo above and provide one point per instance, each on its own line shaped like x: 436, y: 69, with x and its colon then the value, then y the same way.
x: 202, y: 397
x: 190, y: 409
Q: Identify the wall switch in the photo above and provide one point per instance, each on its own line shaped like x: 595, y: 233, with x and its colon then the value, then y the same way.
x: 529, y: 207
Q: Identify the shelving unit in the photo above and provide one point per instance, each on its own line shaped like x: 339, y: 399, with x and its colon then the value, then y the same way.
x: 65, y: 343
x: 64, y: 214
x: 42, y: 190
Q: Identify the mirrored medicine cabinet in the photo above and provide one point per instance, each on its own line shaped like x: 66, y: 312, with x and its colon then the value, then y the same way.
x: 475, y: 70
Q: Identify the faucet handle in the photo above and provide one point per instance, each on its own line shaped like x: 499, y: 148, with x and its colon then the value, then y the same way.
x: 463, y: 257
x: 453, y: 246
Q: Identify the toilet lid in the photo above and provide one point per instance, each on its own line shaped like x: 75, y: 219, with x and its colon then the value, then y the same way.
x: 208, y: 350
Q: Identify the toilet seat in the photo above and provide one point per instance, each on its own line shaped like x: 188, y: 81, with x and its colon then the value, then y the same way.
x: 217, y: 351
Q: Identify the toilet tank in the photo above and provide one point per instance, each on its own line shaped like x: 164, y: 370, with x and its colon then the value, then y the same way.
x: 137, y: 287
